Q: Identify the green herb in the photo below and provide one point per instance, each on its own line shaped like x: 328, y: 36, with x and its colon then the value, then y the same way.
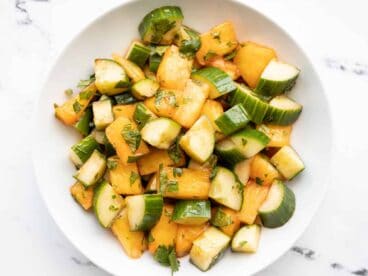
x: 132, y: 137
x: 85, y: 95
x: 177, y: 172
x: 231, y: 55
x: 150, y: 238
x: 77, y: 107
x: 113, y: 196
x: 132, y: 159
x: 168, y: 96
x: 230, y: 43
x: 242, y: 243
x: 175, y: 152
x: 141, y: 118
x: 167, y: 185
x: 213, y: 173
x: 259, y: 181
x: 111, y: 164
x: 221, y: 219
x: 244, y: 141
x: 216, y: 35
x: 68, y: 92
x: 84, y: 83
x: 133, y: 177
x: 113, y: 208
x: 166, y: 256
x: 209, y: 55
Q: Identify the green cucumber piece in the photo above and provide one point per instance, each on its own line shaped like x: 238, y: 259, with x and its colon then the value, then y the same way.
x: 102, y: 114
x: 242, y: 170
x: 188, y: 41
x: 287, y: 162
x: 226, y: 189
x: 199, y: 141
x: 142, y: 115
x: 109, y: 148
x: 107, y: 204
x: 160, y: 25
x: 81, y: 151
x: 208, y: 248
x: 246, y: 240
x: 283, y: 111
x: 277, y: 78
x: 99, y: 136
x: 92, y: 170
x: 144, y: 211
x: 256, y: 107
x: 111, y: 78
x: 220, y: 83
x: 154, y: 62
x: 232, y: 119
x: 250, y: 141
x: 125, y: 98
x: 221, y: 219
x: 145, y: 89
x: 192, y: 212
x: 160, y: 132
x: 279, y: 205
x: 84, y: 124
x: 228, y: 152
x: 138, y: 53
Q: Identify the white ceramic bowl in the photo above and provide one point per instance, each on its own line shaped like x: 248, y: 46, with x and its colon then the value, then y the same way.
x: 112, y: 32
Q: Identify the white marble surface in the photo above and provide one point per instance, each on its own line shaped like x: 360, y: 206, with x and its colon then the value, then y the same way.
x: 334, y: 33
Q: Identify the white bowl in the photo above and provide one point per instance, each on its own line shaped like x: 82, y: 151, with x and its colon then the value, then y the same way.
x: 112, y: 32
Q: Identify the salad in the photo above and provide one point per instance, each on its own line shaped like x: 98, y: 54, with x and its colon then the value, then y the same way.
x: 185, y: 146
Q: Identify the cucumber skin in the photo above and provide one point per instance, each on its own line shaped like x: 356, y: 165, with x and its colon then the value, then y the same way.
x: 139, y: 54
x: 274, y: 88
x: 282, y: 117
x: 230, y: 157
x: 218, y: 78
x: 255, y: 107
x: 85, y: 148
x: 233, y: 119
x: 154, y: 62
x: 251, y: 133
x: 190, y: 47
x: 214, y: 260
x: 125, y: 98
x: 83, y: 125
x: 140, y: 116
x: 154, y: 204
x: 283, y: 213
x: 192, y: 208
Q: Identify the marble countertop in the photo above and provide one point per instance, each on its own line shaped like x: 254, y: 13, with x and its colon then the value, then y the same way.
x: 334, y: 34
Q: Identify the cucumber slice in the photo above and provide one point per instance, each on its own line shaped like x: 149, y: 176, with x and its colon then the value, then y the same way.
x: 107, y: 204
x: 125, y: 98
x: 277, y: 78
x: 145, y: 89
x: 226, y: 189
x: 102, y: 114
x: 246, y: 239
x: 233, y: 119
x: 134, y: 72
x: 99, y: 136
x: 242, y: 170
x: 255, y: 106
x: 92, y: 170
x: 160, y: 132
x: 208, y: 248
x: 250, y: 141
x: 287, y: 162
x: 228, y: 152
x: 138, y: 53
x: 283, y: 111
x: 142, y: 115
x: 83, y: 125
x: 279, y: 205
x: 144, y: 211
x: 160, y: 25
x: 81, y: 151
x: 188, y: 41
x: 199, y: 141
x: 154, y: 62
x: 192, y: 212
x: 111, y: 78
x: 220, y: 218
x: 219, y: 82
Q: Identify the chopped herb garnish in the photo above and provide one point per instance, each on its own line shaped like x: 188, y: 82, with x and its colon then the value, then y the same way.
x: 167, y: 185
x: 132, y: 159
x: 85, y: 95
x: 68, y: 92
x: 132, y: 137
x: 231, y: 55
x: 133, y: 177
x: 84, y: 83
x: 175, y: 152
x: 168, y: 96
x: 166, y: 256
x: 221, y: 219
x: 209, y: 55
x: 150, y: 238
x: 242, y: 243
x: 113, y: 196
x: 230, y: 43
x: 213, y: 172
x: 216, y: 35
x: 112, y: 164
x: 77, y: 107
x: 113, y: 208
x: 259, y: 181
x: 244, y: 141
x: 177, y: 172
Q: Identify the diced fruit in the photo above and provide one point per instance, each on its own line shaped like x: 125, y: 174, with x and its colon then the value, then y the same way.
x: 279, y: 135
x: 209, y: 165
x: 133, y: 242
x: 262, y: 171
x: 81, y: 151
x: 253, y: 197
x: 283, y: 111
x: 160, y: 132
x: 188, y: 41
x: 83, y: 195
x: 246, y: 239
x: 138, y: 53
x: 192, y: 212
x: 278, y: 207
x: 227, y: 66
x: 144, y: 88
x: 249, y: 141
x: 251, y: 60
x: 288, y: 162
x: 164, y: 103
x: 233, y: 119
x: 152, y: 184
x: 126, y: 110
x: 92, y: 170
x: 132, y: 70
x: 183, y: 183
x: 226, y: 219
x: 228, y: 152
x: 242, y: 170
x: 185, y: 236
x: 142, y: 115
x: 212, y: 109
x: 102, y: 114
x: 83, y: 125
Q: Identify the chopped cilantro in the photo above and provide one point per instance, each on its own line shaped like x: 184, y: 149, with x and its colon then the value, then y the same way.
x: 221, y: 219
x: 132, y: 137
x: 150, y: 238
x: 242, y: 243
x: 259, y: 181
x: 77, y: 107
x: 84, y: 83
x: 85, y: 95
x: 177, y: 172
x: 112, y: 164
x: 132, y: 159
x: 175, y: 152
x: 167, y: 185
x: 244, y: 141
x: 133, y: 177
x: 209, y: 55
x: 166, y: 256
x: 217, y: 36
x: 231, y: 55
x: 113, y: 208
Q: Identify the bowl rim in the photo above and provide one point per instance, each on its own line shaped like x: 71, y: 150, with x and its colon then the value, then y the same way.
x: 115, y: 6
